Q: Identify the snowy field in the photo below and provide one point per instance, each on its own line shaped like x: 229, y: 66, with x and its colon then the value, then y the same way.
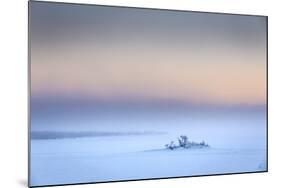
x: 239, y: 146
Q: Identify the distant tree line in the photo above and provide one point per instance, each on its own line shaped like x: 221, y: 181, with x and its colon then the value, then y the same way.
x: 40, y: 135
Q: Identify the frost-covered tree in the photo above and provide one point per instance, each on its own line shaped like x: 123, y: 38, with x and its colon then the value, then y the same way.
x: 183, y: 141
x: 171, y: 146
x: 203, y: 144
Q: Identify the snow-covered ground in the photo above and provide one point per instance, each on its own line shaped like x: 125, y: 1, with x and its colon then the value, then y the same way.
x: 239, y: 146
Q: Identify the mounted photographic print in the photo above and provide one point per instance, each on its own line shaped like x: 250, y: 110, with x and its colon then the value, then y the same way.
x: 120, y: 93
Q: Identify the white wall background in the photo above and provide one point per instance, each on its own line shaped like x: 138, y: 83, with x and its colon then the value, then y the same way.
x: 13, y: 92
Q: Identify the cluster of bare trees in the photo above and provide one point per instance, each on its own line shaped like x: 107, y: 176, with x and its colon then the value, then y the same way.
x: 183, y: 142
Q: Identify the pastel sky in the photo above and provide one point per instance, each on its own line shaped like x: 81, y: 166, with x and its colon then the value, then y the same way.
x: 120, y: 54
